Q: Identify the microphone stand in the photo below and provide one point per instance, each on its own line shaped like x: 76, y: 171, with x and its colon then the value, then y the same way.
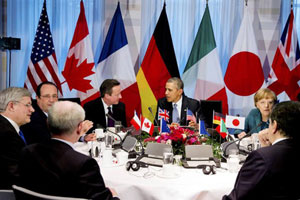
x: 247, y: 135
x: 239, y: 140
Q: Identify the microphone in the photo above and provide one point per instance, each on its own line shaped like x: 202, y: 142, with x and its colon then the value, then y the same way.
x: 249, y: 132
x: 228, y: 145
x: 150, y: 109
x: 110, y: 117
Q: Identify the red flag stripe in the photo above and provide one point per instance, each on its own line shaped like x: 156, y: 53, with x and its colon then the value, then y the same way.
x: 288, y: 45
x: 50, y: 68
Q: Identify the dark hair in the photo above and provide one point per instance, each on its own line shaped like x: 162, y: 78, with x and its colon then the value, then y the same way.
x: 178, y: 82
x: 107, y: 85
x: 287, y: 115
x: 38, y: 89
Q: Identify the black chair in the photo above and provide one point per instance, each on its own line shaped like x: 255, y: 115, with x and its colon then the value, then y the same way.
x: 25, y: 194
x: 207, y: 107
x: 7, y: 195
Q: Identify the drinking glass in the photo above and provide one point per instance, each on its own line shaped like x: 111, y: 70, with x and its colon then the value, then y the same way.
x: 233, y: 161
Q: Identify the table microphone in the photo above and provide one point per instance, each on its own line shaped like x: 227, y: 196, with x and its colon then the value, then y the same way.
x: 248, y: 134
x: 110, y: 117
x: 107, y: 130
x: 150, y: 109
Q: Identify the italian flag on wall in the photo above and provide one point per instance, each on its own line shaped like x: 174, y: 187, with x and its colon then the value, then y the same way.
x: 204, y: 66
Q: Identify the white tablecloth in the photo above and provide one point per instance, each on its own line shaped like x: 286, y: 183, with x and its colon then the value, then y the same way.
x: 191, y: 184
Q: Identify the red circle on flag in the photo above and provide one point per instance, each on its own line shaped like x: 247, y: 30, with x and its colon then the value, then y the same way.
x: 235, y: 122
x: 244, y: 74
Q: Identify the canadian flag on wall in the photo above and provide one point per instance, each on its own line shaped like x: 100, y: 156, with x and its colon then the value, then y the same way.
x: 79, y: 70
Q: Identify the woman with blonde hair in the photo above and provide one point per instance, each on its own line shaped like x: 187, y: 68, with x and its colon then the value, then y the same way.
x: 257, y: 119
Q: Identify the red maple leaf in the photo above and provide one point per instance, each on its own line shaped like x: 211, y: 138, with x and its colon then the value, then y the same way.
x: 75, y: 75
x: 147, y: 125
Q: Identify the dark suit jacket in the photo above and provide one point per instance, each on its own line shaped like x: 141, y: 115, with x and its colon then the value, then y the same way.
x: 187, y: 102
x: 55, y: 168
x: 11, y: 145
x: 94, y: 111
x: 269, y: 173
x: 37, y: 129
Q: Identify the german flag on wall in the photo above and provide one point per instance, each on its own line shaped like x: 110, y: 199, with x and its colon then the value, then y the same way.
x: 158, y: 66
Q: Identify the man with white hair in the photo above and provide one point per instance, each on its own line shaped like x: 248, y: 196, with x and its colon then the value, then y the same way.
x: 15, y: 110
x: 55, y: 168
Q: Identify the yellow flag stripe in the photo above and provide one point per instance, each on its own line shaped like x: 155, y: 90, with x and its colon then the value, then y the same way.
x: 147, y: 97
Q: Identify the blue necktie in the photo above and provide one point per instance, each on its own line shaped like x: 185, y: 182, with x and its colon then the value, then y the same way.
x: 22, y: 136
x: 110, y: 122
x: 175, y: 115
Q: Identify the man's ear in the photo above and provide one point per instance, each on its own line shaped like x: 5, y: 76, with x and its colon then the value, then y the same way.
x: 274, y: 127
x: 10, y: 106
x: 79, y: 128
x: 181, y: 91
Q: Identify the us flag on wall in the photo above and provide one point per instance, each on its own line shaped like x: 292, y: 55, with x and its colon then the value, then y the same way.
x: 43, y: 64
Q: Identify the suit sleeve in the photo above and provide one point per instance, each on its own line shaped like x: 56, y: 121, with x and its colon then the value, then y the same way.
x: 249, y: 177
x: 92, y: 182
x: 124, y: 122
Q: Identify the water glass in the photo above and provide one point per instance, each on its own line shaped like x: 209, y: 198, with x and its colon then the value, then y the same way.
x: 167, y: 158
x: 118, y: 126
x: 233, y: 161
x: 109, y: 139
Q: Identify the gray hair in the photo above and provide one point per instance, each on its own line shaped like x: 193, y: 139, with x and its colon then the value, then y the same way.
x: 64, y: 117
x: 178, y: 82
x: 12, y: 94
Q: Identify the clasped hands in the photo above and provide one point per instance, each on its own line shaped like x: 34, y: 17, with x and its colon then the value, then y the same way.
x: 87, y: 125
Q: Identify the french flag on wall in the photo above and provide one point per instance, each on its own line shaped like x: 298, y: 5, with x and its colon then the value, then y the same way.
x: 115, y: 63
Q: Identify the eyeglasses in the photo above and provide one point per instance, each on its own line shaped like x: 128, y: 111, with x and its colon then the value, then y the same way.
x: 48, y: 96
x: 28, y: 105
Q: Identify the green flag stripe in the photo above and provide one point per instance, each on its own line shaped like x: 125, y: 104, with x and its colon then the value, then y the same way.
x: 204, y: 42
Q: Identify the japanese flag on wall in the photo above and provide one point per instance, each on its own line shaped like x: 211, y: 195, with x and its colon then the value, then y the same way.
x: 235, y: 122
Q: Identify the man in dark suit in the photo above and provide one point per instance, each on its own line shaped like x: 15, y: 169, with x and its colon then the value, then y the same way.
x: 37, y: 130
x: 15, y: 110
x: 176, y: 98
x: 108, y: 103
x: 272, y: 172
x: 54, y: 167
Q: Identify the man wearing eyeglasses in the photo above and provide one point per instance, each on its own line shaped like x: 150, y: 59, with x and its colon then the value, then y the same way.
x: 15, y: 110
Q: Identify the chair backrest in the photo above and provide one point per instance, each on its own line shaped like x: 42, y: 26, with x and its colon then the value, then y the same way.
x: 198, y: 151
x: 157, y: 149
x: 7, y: 195
x: 25, y: 194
